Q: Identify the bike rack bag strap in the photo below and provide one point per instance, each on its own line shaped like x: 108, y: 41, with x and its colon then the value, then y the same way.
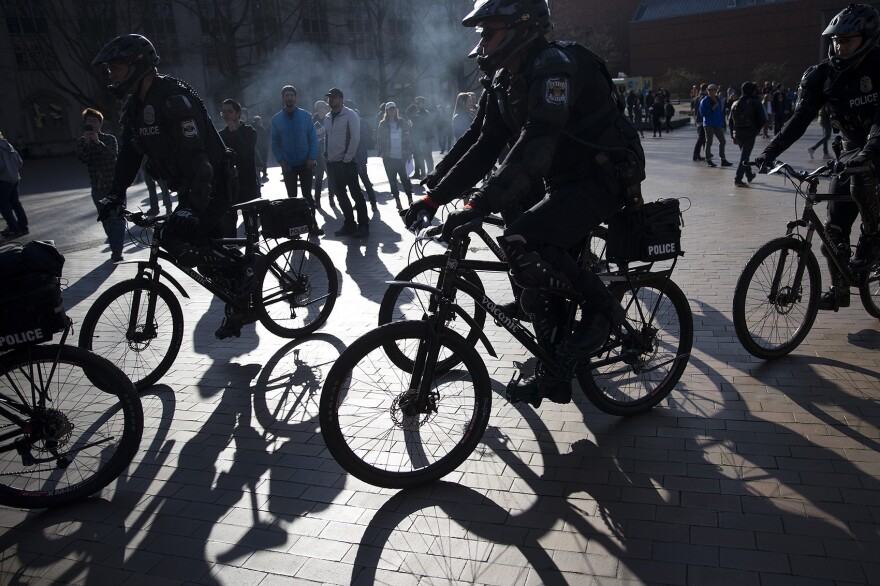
x: 31, y: 308
x: 648, y: 233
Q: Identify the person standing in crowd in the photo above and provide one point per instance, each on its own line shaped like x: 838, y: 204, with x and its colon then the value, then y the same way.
x: 167, y: 121
x: 698, y: 122
x: 295, y: 146
x: 657, y: 114
x: 368, y: 138
x: 767, y: 103
x: 463, y: 115
x: 394, y: 142
x: 746, y: 120
x: 422, y: 121
x: 320, y: 110
x: 98, y: 150
x: 242, y: 139
x: 153, y: 193
x: 669, y: 112
x: 343, y: 136
x: 780, y: 105
x: 825, y: 124
x: 843, y: 81
x: 262, y: 157
x: 443, y: 122
x: 712, y: 111
x: 10, y: 204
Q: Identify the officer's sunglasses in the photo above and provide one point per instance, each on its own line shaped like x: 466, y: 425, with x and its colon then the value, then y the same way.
x: 487, y: 34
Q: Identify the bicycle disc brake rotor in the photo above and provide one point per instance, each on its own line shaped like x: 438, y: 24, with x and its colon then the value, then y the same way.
x: 404, y: 411
x: 784, y: 301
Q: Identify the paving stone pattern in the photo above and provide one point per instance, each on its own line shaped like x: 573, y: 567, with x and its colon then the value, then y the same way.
x: 750, y: 473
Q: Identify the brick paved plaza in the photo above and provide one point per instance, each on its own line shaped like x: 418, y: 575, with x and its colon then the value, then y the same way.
x: 750, y: 473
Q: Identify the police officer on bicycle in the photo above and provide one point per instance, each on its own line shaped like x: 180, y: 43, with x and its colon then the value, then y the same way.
x: 849, y: 83
x: 165, y: 120
x: 555, y: 107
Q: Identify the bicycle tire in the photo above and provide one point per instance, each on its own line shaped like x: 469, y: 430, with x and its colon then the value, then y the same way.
x: 297, y: 289
x: 870, y: 293
x: 105, y: 330
x: 396, y: 306
x: 771, y: 328
x: 94, y: 415
x: 360, y: 403
x: 642, y: 378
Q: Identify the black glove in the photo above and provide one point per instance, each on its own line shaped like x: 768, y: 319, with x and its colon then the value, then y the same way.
x: 419, y: 212
x: 431, y: 180
x: 457, y: 219
x: 110, y: 205
x: 183, y: 217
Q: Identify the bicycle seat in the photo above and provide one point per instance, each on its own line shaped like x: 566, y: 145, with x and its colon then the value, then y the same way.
x: 252, y: 205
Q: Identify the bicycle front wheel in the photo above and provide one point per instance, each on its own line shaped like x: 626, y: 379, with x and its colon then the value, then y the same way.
x: 68, y: 428
x: 638, y: 369
x: 367, y: 413
x: 403, y: 303
x: 120, y: 327
x: 297, y: 289
x: 870, y: 293
x: 773, y: 310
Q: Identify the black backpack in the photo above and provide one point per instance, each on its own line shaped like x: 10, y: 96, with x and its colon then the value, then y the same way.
x: 743, y: 113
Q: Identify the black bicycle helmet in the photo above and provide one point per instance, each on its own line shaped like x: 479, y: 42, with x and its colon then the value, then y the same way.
x: 855, y: 18
x: 532, y: 16
x: 134, y: 50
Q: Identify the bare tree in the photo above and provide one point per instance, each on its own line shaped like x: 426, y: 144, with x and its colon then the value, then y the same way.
x: 240, y: 34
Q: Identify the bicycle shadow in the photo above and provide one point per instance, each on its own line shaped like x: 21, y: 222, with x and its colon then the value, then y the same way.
x: 95, y: 534
x: 85, y: 286
x: 683, y: 493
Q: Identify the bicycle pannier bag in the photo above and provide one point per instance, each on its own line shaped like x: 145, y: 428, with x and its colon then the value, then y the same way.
x: 284, y: 218
x: 31, y: 308
x: 649, y: 233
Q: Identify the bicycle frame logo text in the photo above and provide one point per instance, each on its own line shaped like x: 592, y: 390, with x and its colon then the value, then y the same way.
x: 500, y: 315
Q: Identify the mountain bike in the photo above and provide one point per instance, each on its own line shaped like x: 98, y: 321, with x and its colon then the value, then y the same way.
x: 70, y: 423
x: 402, y: 302
x: 402, y: 423
x: 777, y: 296
x: 138, y: 323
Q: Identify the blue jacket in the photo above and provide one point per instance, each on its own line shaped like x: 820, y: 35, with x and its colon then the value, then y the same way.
x: 294, y: 139
x: 712, y: 117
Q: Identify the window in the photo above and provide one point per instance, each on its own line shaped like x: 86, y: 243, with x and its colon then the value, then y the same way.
x: 46, y: 115
x: 97, y: 19
x: 265, y: 28
x: 314, y: 21
x: 29, y: 35
x: 399, y: 26
x: 360, y: 30
x: 159, y: 28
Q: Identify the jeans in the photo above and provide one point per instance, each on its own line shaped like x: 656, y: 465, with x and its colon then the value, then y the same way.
x: 302, y: 174
x: 114, y: 227
x: 345, y: 175
x: 154, y: 198
x: 714, y: 132
x: 826, y: 136
x: 365, y: 178
x: 395, y: 168
x: 10, y: 207
x: 746, y: 142
x: 701, y: 142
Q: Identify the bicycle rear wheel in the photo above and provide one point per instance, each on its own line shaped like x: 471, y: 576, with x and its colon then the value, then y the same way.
x: 363, y: 404
x: 401, y: 303
x: 116, y: 327
x: 297, y: 290
x: 67, y: 428
x: 772, y: 314
x: 870, y: 293
x: 634, y: 372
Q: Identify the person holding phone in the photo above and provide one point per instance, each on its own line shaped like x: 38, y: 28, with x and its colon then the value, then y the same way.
x: 98, y: 150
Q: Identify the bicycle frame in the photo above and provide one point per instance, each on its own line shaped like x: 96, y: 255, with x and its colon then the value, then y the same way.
x: 442, y: 304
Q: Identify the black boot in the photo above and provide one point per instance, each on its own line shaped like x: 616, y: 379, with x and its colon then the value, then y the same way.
x: 867, y: 252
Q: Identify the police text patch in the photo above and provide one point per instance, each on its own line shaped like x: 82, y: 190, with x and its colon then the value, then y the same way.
x: 189, y: 128
x: 557, y: 90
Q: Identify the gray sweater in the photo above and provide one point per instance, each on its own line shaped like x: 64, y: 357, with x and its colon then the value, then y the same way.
x: 343, y: 135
